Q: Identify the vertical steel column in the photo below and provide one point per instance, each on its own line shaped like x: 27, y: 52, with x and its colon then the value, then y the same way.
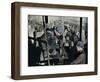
x: 80, y: 28
x: 45, y: 22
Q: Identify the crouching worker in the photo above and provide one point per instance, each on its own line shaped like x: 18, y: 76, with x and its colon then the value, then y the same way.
x: 81, y: 56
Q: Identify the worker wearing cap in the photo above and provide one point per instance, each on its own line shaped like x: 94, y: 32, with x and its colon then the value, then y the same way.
x: 81, y: 57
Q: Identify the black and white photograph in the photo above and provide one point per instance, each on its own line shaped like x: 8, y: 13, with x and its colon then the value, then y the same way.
x: 57, y: 40
x: 53, y: 40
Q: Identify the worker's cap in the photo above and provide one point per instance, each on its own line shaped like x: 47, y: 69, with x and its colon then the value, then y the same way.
x: 80, y: 44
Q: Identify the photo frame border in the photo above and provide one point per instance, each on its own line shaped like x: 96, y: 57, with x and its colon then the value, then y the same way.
x: 15, y: 39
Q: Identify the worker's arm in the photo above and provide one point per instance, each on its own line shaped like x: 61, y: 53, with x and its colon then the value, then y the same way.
x: 80, y: 59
